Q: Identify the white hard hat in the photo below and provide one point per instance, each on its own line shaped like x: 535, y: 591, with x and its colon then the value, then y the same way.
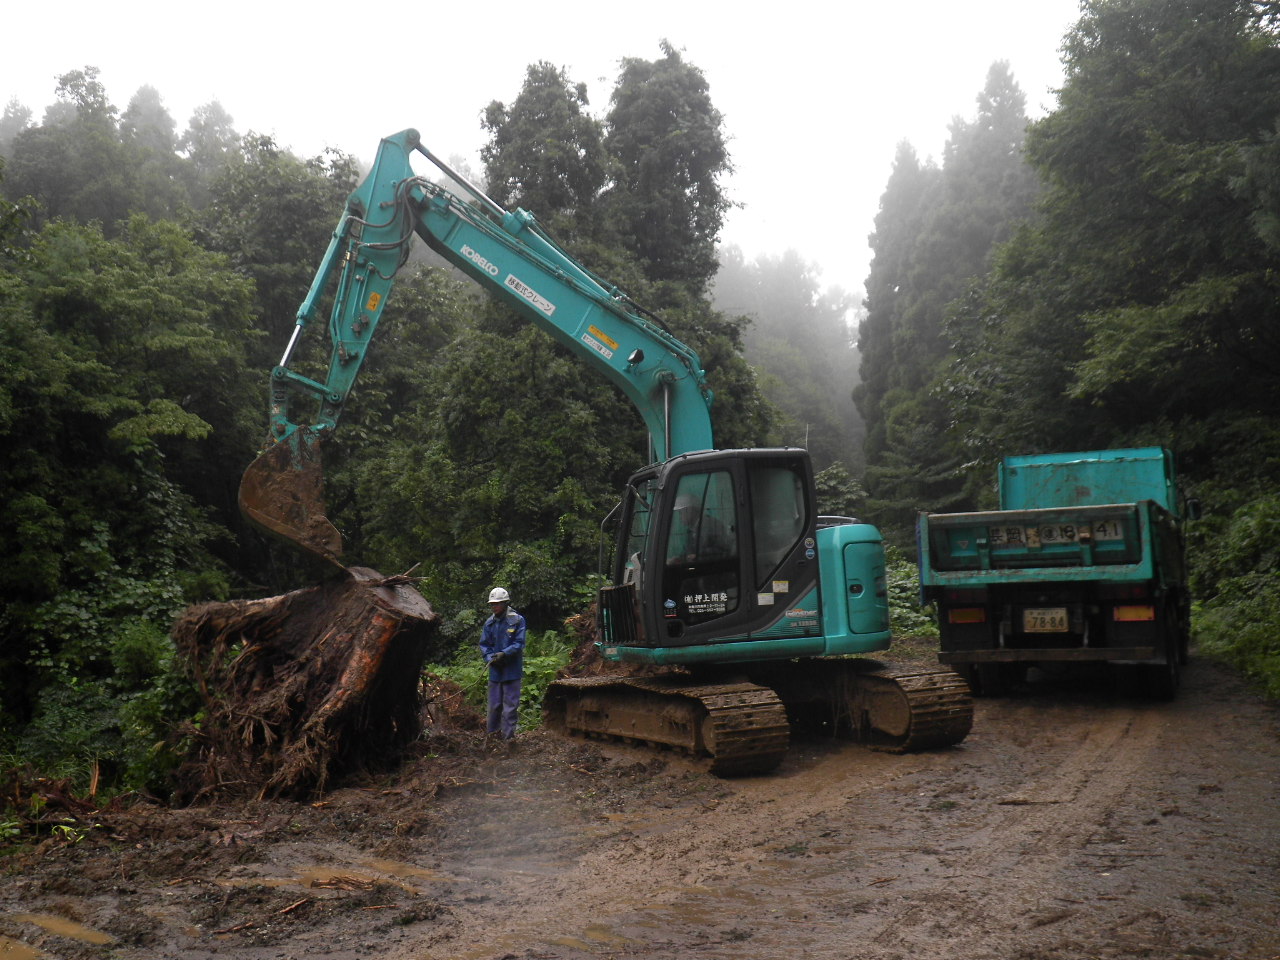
x: 498, y: 595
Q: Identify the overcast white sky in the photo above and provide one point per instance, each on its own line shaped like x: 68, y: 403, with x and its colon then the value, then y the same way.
x: 815, y: 97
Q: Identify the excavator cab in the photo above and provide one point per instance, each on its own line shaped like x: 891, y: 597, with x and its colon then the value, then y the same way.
x: 714, y: 547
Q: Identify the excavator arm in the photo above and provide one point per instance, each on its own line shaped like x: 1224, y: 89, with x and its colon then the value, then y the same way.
x: 513, y: 259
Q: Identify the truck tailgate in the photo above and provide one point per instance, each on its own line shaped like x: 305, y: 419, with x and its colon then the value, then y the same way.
x: 1057, y: 537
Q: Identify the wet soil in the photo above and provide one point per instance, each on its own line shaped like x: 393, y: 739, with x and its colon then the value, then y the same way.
x: 1072, y: 823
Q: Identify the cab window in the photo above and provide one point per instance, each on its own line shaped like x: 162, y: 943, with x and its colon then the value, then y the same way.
x: 701, y: 570
x: 779, y: 516
x: 640, y: 521
x: 703, y: 522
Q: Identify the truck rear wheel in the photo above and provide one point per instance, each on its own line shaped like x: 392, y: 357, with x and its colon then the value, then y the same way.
x: 991, y: 679
x: 1162, y: 680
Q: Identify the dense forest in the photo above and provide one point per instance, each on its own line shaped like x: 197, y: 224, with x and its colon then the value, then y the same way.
x: 1104, y: 275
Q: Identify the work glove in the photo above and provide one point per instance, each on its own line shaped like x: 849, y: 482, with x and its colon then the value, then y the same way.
x: 496, y: 659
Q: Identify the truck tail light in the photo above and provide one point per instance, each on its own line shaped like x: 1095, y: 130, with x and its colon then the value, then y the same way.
x: 1133, y: 613
x: 967, y: 615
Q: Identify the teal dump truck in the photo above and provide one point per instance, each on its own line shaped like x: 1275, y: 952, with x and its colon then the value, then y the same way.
x: 1084, y: 562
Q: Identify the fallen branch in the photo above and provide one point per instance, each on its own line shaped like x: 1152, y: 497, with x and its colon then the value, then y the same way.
x: 253, y: 923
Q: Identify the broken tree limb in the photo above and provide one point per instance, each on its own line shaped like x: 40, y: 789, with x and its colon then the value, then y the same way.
x: 303, y: 688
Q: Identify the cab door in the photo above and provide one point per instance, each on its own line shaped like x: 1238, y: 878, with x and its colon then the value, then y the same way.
x: 730, y: 548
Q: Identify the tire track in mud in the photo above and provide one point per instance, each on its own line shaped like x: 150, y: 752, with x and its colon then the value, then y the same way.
x: 1027, y: 839
x: 1070, y: 824
x: 651, y: 861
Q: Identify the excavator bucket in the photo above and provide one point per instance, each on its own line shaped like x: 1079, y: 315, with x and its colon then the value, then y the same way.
x: 283, y: 493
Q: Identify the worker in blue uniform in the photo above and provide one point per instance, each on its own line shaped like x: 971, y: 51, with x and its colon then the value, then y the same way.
x: 502, y: 645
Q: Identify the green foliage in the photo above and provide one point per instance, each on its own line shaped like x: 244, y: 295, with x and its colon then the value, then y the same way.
x: 209, y: 143
x: 915, y: 470
x: 486, y: 460
x: 108, y: 690
x: 10, y: 828
x: 906, y: 616
x: 667, y: 204
x: 120, y: 382
x: 272, y: 214
x: 1140, y: 304
x: 545, y: 654
x: 934, y: 234
x: 1235, y: 546
x: 13, y: 121
x: 1241, y: 625
x: 473, y: 429
x: 1144, y: 292
x: 545, y: 152
x: 1239, y: 620
x: 839, y: 493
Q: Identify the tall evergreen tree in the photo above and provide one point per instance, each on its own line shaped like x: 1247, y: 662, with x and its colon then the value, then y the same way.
x: 667, y: 203
x: 1145, y: 292
x: 1142, y: 305
x: 208, y: 144
x: 147, y: 131
x: 903, y: 207
x: 74, y: 163
x: 13, y: 121
x: 272, y: 213
x: 545, y: 151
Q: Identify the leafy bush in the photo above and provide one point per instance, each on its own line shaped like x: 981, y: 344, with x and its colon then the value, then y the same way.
x: 1237, y: 580
x: 108, y: 691
x: 906, y: 616
x: 1242, y: 626
x: 120, y: 722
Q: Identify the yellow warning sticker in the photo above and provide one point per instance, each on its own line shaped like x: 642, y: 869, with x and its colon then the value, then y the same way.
x: 375, y: 298
x: 602, y: 336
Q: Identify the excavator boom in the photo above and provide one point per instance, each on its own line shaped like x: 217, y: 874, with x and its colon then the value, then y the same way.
x: 508, y: 255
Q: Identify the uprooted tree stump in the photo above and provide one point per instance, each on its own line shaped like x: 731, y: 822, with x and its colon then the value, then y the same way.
x: 303, y: 688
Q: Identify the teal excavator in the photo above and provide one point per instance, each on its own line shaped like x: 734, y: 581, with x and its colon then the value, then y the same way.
x: 723, y: 570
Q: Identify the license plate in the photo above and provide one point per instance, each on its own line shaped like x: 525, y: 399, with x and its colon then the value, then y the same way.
x: 1108, y: 530
x: 1045, y: 620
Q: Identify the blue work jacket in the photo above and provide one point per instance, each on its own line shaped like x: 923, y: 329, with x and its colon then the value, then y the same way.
x: 504, y: 634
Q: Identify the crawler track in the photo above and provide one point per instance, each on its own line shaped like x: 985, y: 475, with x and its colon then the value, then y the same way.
x: 736, y: 728
x: 899, y: 708
x: 914, y: 709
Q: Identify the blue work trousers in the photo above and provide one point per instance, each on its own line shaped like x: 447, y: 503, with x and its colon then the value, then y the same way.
x: 504, y: 706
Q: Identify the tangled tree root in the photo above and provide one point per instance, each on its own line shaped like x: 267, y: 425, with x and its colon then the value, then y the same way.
x: 303, y: 688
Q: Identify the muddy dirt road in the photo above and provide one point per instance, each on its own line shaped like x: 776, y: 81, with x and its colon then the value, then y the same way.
x: 1073, y: 823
